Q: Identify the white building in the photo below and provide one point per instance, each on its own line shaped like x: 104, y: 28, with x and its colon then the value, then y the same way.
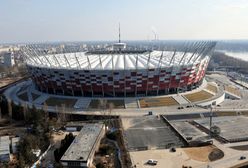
x: 14, y: 144
x: 4, y: 149
x: 119, y: 46
x: 8, y: 59
x: 81, y: 151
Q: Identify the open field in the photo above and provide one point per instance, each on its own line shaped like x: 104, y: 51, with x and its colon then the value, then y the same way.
x: 156, y: 102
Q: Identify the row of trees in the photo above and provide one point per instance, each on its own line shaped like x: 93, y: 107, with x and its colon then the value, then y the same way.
x: 14, y: 71
x: 38, y: 135
x: 224, y: 60
x: 38, y: 125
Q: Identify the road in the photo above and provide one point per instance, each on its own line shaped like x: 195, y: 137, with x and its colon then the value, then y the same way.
x: 11, y: 94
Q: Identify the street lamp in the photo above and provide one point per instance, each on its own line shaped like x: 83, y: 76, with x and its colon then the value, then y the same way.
x: 211, y: 117
x: 210, y: 120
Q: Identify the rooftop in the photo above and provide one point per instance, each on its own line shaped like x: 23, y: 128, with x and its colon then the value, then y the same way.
x: 121, y: 60
x: 81, y: 147
x: 4, y: 145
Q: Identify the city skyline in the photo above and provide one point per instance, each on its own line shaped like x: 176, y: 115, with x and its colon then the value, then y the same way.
x: 48, y: 21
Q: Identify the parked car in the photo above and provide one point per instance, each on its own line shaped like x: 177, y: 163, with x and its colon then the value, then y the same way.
x: 189, y: 106
x: 173, y: 149
x: 152, y: 162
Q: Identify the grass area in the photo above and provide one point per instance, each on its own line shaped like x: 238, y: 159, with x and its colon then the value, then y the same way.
x: 54, y: 101
x: 230, y: 113
x: 198, y: 96
x: 244, y: 113
x: 212, y: 88
x: 215, y: 154
x: 233, y: 90
x: 226, y: 113
x: 99, y: 103
x: 156, y: 102
x: 23, y: 96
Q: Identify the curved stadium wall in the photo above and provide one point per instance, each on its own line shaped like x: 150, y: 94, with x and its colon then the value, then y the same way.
x: 120, y: 73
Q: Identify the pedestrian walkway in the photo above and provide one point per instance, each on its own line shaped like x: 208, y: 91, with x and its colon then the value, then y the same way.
x: 181, y: 100
x: 41, y: 99
x: 82, y: 103
x: 131, y: 103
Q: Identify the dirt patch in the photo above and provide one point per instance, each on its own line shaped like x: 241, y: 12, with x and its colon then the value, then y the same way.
x: 204, y: 154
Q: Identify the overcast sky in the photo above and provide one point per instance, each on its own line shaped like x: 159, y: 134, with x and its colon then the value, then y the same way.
x: 84, y: 20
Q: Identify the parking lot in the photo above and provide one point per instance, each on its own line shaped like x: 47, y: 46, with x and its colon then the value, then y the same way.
x: 233, y: 128
x: 188, y: 131
x: 149, y: 132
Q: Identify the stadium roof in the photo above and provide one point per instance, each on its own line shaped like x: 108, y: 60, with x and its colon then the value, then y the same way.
x: 119, y: 61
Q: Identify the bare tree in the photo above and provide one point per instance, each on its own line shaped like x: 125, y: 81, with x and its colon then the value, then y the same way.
x: 10, y: 109
x: 46, y: 115
x: 25, y: 110
x: 110, y: 108
x: 1, y: 99
x: 61, y: 116
x: 102, y: 104
x: 0, y: 112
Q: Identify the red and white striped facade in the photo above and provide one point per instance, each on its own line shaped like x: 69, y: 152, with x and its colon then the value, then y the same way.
x: 121, y: 74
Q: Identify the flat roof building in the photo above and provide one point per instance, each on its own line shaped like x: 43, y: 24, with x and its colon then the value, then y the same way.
x: 4, y: 149
x: 7, y: 59
x: 81, y: 151
x: 14, y: 144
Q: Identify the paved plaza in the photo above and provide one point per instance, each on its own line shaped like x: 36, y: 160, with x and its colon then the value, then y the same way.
x: 233, y: 128
x: 149, y: 132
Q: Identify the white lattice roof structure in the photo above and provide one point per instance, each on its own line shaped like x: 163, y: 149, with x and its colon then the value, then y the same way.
x: 120, y: 61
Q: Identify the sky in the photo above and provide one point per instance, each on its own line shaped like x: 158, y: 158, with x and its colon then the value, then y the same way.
x: 87, y: 20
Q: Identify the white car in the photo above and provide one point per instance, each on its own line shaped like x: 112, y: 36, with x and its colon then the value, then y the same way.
x: 152, y: 162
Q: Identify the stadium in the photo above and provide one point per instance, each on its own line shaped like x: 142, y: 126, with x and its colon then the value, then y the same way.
x: 120, y: 72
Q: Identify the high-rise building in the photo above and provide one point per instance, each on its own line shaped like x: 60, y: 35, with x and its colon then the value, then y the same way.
x: 8, y: 59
